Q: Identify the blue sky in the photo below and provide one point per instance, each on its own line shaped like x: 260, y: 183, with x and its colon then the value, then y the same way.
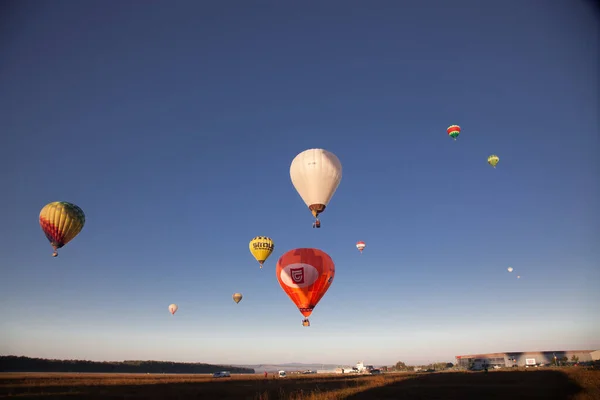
x: 173, y: 125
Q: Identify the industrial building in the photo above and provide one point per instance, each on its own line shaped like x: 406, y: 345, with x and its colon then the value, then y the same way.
x: 523, y: 359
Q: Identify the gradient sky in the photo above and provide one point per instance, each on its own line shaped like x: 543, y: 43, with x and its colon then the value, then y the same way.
x: 173, y: 125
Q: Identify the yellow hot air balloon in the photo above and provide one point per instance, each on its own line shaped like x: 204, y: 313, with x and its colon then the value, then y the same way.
x: 237, y: 297
x: 316, y: 175
x: 261, y: 248
x: 61, y: 222
x: 493, y: 160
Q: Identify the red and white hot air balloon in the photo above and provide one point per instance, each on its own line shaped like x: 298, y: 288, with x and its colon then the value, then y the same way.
x: 360, y: 245
x: 173, y: 309
x: 305, y: 275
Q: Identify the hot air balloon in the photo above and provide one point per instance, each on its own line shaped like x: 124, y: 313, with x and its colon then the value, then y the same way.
x: 173, y: 308
x: 493, y: 160
x: 453, y: 131
x: 510, y: 269
x: 305, y: 275
x: 61, y: 222
x: 360, y: 245
x: 237, y: 297
x: 518, y: 276
x: 316, y: 174
x: 261, y: 248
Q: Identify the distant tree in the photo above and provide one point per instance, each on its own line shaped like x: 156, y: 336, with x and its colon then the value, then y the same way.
x: 564, y: 360
x: 449, y: 365
x: 400, y: 366
x: 574, y: 359
x: 26, y: 364
x: 441, y: 365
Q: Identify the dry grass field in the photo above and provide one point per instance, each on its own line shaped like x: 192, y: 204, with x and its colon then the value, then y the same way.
x: 547, y: 384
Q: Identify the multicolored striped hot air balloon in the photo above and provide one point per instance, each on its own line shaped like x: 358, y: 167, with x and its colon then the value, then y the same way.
x: 453, y: 131
x: 61, y: 222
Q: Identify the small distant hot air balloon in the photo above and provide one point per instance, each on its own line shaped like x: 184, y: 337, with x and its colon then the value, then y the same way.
x: 316, y: 175
x: 261, y: 248
x: 305, y: 275
x: 510, y: 269
x: 237, y: 297
x: 453, y: 131
x: 518, y: 276
x: 61, y: 222
x: 493, y: 160
x: 173, y: 308
x: 360, y: 245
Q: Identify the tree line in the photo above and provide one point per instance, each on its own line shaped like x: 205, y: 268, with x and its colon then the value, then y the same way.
x: 400, y: 366
x: 27, y: 364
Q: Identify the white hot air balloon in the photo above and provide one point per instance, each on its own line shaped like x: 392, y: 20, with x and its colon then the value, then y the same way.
x: 316, y: 174
x: 518, y: 276
x: 510, y: 269
x: 173, y: 308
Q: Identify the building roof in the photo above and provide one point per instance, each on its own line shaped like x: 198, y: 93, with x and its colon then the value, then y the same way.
x: 495, y: 355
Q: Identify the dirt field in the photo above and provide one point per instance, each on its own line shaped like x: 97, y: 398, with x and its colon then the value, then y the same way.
x: 570, y: 383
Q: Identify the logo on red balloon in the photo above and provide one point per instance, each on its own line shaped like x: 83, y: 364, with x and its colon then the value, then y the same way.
x: 297, y: 275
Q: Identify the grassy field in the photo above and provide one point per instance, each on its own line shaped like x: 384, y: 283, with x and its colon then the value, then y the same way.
x: 569, y: 383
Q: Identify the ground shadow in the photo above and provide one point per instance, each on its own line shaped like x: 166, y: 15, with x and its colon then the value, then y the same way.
x: 547, y: 385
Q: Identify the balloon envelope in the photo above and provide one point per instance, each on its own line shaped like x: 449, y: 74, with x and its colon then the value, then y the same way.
x: 493, y: 160
x: 61, y: 222
x: 237, y: 297
x: 305, y: 275
x: 453, y: 131
x: 261, y: 248
x: 316, y: 175
x: 510, y: 269
x: 360, y: 245
x: 173, y: 308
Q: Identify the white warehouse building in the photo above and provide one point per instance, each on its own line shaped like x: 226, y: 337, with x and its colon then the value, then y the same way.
x: 526, y: 358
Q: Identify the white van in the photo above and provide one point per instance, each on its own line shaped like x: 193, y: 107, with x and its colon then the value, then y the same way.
x: 282, y: 374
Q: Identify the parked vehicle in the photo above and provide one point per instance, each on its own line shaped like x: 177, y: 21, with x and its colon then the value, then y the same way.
x: 222, y: 374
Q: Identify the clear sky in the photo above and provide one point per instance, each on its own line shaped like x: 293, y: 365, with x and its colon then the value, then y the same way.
x: 173, y: 126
